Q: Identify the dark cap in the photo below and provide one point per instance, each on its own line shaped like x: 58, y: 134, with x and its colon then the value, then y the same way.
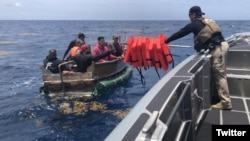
x: 196, y: 10
x: 52, y: 52
x: 81, y: 34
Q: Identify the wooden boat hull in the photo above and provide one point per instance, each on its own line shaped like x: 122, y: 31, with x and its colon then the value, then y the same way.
x: 86, y: 85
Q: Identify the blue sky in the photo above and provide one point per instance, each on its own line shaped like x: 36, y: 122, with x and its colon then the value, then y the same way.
x: 121, y: 9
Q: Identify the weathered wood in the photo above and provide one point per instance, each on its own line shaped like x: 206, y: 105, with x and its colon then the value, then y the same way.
x: 82, y: 82
x: 107, y: 69
x: 67, y: 77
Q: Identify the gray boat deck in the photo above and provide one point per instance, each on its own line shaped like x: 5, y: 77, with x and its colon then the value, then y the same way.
x: 239, y: 115
x: 237, y: 69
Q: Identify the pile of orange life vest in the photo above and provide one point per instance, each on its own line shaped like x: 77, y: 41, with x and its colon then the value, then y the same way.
x: 148, y: 52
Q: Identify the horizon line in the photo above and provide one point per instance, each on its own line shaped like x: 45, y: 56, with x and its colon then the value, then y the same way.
x: 104, y: 20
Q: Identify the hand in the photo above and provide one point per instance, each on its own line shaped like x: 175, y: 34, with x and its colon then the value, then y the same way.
x: 119, y: 57
x: 166, y: 41
x: 111, y: 50
x: 66, y: 59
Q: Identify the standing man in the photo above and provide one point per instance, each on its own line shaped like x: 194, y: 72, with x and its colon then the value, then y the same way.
x: 81, y: 36
x: 207, y: 35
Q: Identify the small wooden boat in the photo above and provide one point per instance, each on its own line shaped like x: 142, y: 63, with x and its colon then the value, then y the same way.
x: 85, y: 86
x: 178, y: 107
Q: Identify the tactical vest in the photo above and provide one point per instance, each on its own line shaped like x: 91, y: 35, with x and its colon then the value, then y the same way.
x: 210, y: 28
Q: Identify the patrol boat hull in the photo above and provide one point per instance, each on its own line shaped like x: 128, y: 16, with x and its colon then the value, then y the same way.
x: 178, y: 107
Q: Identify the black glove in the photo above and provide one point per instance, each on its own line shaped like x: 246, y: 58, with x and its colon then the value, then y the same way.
x: 166, y: 41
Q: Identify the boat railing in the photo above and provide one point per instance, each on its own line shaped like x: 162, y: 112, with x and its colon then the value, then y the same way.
x: 186, y: 122
x: 157, y: 130
x: 236, y: 38
x: 238, y: 69
x: 60, y: 71
x: 63, y: 64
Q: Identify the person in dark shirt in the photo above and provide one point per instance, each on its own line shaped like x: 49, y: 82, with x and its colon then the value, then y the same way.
x: 194, y: 27
x: 115, y: 44
x: 51, y: 63
x: 208, y: 36
x: 81, y: 36
x: 84, y: 58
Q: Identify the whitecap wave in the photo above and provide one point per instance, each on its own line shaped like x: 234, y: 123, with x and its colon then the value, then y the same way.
x: 7, y: 42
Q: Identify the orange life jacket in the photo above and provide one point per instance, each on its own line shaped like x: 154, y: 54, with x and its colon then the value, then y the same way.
x: 148, y: 52
x: 74, y: 51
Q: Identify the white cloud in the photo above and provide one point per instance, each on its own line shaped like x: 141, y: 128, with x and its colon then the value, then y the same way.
x: 17, y: 4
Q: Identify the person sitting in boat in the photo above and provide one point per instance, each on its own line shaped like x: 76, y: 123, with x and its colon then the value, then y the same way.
x: 84, y: 58
x: 115, y: 44
x: 76, y: 49
x: 51, y: 63
x: 81, y: 36
x: 100, y: 48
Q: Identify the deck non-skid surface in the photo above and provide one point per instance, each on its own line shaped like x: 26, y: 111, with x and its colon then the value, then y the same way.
x: 239, y: 115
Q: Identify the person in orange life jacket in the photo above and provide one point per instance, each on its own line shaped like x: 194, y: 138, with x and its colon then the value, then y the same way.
x: 76, y: 48
x: 81, y: 36
x: 117, y: 46
x: 218, y: 51
x: 51, y: 62
x: 84, y: 58
x: 101, y: 47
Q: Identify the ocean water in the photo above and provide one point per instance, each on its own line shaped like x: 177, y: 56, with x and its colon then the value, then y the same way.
x: 26, y: 115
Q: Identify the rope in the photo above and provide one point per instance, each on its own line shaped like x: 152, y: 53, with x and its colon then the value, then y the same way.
x: 142, y: 77
x: 157, y: 73
x: 172, y: 59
